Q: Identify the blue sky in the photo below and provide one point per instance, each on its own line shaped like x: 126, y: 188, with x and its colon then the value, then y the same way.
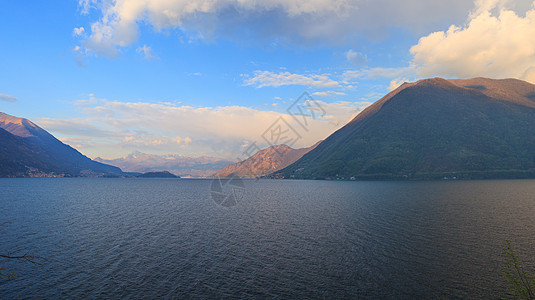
x: 210, y: 77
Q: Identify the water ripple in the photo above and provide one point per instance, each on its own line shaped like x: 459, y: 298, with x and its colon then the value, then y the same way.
x: 150, y: 238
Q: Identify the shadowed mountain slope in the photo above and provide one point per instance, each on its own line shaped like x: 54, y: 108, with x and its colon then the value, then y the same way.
x: 475, y: 128
x: 28, y: 150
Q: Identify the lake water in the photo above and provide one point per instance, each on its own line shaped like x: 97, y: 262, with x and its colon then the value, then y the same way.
x: 168, y: 238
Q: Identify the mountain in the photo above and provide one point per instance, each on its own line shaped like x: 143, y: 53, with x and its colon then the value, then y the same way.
x: 16, y: 154
x: 433, y: 128
x: 203, y: 166
x: 264, y: 162
x: 162, y: 174
x: 27, y: 150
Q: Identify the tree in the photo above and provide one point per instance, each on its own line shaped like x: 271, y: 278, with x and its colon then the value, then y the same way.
x: 26, y: 257
x: 521, y: 283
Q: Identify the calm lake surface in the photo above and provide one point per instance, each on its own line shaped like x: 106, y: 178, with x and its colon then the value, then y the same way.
x: 168, y: 238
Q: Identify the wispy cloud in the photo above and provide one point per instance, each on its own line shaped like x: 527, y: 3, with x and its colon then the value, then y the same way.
x: 8, y: 98
x: 146, y: 51
x: 78, y: 31
x: 89, y: 127
x: 394, y: 84
x: 328, y: 93
x: 86, y: 5
x: 267, y: 78
x: 79, y: 144
x: 374, y: 73
x: 356, y: 58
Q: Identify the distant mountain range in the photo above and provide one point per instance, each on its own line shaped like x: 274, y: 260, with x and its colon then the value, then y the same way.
x: 264, y: 162
x: 204, y: 166
x: 26, y: 150
x: 433, y: 128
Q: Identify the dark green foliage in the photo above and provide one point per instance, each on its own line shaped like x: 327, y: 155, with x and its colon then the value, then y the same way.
x: 521, y: 283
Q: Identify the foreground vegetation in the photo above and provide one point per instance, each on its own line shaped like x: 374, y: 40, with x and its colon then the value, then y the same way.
x: 521, y: 283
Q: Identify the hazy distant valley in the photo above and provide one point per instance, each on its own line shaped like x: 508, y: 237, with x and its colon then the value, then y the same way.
x: 199, y: 167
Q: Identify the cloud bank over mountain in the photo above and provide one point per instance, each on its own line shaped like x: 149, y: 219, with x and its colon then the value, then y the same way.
x: 112, y: 128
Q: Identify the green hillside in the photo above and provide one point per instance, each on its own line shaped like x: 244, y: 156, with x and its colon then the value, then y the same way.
x: 434, y: 128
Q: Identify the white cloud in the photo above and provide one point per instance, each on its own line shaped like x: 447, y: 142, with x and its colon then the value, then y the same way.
x: 267, y: 78
x: 86, y: 5
x: 183, y: 141
x: 77, y: 31
x: 297, y: 21
x: 356, y: 58
x: 341, y: 112
x: 495, y: 45
x: 77, y: 143
x: 374, y: 73
x: 90, y: 127
x: 146, y: 51
x: 8, y: 98
x: 394, y: 84
x: 328, y: 93
x: 113, y: 128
